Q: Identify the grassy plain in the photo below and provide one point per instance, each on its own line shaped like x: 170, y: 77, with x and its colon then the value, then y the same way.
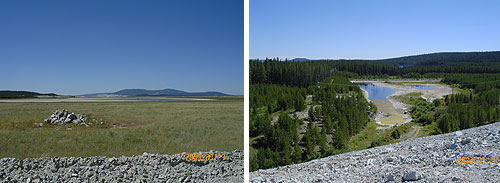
x: 132, y: 128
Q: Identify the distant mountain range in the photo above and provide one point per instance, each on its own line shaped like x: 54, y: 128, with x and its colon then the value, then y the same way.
x: 23, y: 94
x: 165, y: 92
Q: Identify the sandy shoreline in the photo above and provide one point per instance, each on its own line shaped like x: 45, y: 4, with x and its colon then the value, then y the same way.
x: 405, y: 87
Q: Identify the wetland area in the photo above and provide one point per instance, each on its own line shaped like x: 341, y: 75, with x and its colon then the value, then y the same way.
x: 385, y: 95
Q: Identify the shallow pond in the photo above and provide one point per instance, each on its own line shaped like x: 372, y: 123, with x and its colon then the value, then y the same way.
x: 377, y: 92
x: 423, y: 87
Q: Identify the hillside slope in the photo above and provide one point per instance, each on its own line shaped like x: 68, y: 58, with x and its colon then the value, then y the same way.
x: 427, y: 159
x: 22, y: 94
x: 446, y: 57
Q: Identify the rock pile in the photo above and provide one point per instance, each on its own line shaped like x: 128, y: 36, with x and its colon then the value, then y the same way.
x: 427, y: 159
x: 61, y: 117
x: 142, y: 168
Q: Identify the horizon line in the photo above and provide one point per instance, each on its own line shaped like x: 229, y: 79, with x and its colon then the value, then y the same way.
x: 379, y: 58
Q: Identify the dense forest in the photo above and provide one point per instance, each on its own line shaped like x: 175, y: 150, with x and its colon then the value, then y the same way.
x: 336, y: 109
x: 301, y: 74
x: 469, y: 110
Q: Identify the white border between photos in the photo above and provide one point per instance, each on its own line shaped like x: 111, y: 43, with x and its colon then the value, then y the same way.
x: 246, y: 141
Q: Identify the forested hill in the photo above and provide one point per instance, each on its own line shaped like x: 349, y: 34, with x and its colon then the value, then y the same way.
x: 446, y: 57
x: 22, y: 94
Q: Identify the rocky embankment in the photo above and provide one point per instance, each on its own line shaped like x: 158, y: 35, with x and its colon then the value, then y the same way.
x: 427, y: 159
x: 142, y: 168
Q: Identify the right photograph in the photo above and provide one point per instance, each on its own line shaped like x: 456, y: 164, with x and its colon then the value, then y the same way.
x: 374, y: 91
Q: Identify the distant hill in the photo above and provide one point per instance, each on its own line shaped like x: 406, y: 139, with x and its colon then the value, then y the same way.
x: 300, y: 60
x: 22, y: 94
x: 165, y: 92
x: 446, y: 58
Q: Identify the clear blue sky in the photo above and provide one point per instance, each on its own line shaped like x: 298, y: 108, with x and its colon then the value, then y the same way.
x: 371, y: 29
x: 78, y: 47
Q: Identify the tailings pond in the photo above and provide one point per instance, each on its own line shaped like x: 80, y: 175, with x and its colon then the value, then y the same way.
x: 377, y: 92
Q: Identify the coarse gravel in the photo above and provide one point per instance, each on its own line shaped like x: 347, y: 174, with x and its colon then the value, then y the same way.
x: 141, y: 168
x: 427, y: 159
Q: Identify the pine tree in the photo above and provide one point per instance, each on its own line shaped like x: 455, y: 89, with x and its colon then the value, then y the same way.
x: 322, y: 141
x: 287, y: 153
x: 297, y: 154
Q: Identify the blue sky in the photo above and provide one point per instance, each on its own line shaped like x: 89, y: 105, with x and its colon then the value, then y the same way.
x: 371, y: 29
x: 79, y: 47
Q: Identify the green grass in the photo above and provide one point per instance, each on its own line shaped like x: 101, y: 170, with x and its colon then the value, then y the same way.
x: 403, y: 129
x: 154, y: 127
x: 365, y: 137
x: 370, y: 134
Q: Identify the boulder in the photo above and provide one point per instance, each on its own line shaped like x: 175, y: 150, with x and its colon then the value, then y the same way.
x: 411, y: 176
x: 72, y: 116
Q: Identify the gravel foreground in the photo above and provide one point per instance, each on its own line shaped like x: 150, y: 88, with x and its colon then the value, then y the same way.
x: 142, y: 168
x: 427, y: 159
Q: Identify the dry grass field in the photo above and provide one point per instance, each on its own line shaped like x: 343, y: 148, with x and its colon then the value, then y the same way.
x: 130, y: 128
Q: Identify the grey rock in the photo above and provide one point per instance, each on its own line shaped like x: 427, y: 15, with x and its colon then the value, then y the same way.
x: 466, y: 141
x: 389, y: 178
x: 390, y: 159
x: 67, y: 120
x: 72, y: 116
x: 411, y: 176
x: 453, y: 146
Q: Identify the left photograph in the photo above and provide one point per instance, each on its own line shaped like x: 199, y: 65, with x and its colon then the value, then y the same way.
x: 121, y: 91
